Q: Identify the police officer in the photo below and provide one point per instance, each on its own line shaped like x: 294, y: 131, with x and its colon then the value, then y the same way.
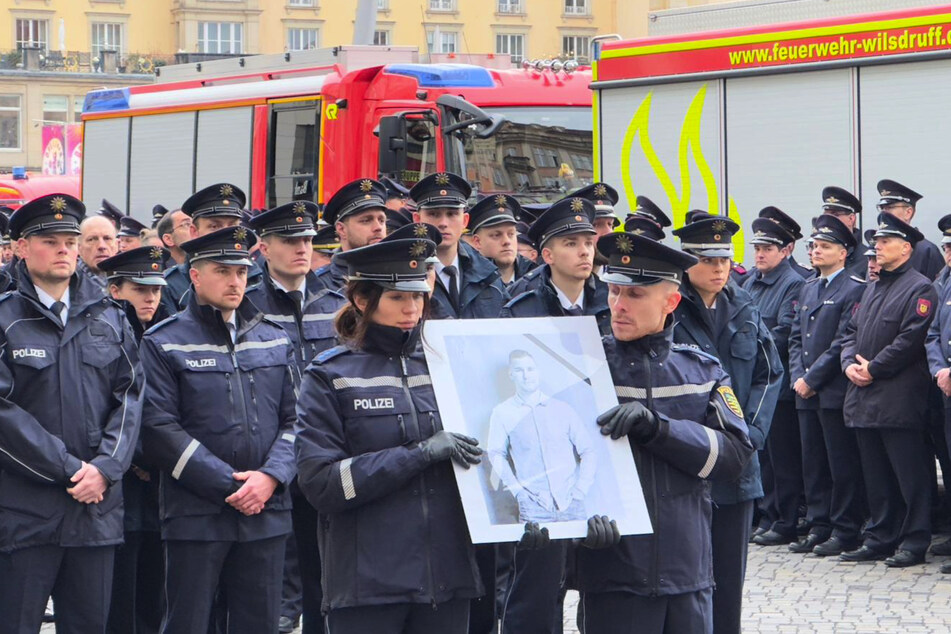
x: 684, y: 426
x: 358, y: 214
x: 130, y: 233
x: 642, y: 226
x: 71, y: 386
x: 722, y: 319
x: 324, y: 243
x: 218, y: 422
x: 775, y: 287
x: 374, y: 459
x: 647, y: 208
x: 526, y: 247
x: 842, y: 204
x: 135, y: 281
x: 900, y: 201
x: 565, y: 284
x: 468, y: 286
x: 871, y: 273
x: 604, y: 198
x: 291, y: 295
x: 883, y: 356
x: 210, y: 209
x: 832, y: 473
x: 494, y: 235
x: 112, y: 213
x: 158, y: 212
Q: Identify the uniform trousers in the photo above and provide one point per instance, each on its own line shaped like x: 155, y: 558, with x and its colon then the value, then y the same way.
x: 306, y: 521
x: 534, y: 602
x: 483, y: 612
x: 730, y: 536
x: 78, y: 579
x: 250, y: 574
x: 291, y: 591
x: 138, y: 585
x: 896, y: 483
x: 626, y: 613
x: 785, y: 458
x: 816, y: 475
x: 449, y: 617
x: 847, y: 507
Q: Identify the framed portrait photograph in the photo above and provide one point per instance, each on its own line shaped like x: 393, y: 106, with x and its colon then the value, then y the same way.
x: 530, y: 390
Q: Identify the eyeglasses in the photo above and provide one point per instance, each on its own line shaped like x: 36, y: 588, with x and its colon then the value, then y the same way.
x: 889, y: 207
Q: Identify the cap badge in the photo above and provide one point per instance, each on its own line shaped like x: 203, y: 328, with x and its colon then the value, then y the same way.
x: 624, y: 244
x: 600, y: 190
x: 442, y: 179
x: 366, y: 185
x: 759, y: 234
x: 156, y: 253
x: 720, y: 225
x: 832, y: 199
x: 576, y: 205
x: 417, y: 249
x: 300, y: 208
x: 883, y: 225
x: 58, y: 204
x: 885, y: 192
x: 421, y: 231
x: 638, y: 232
x: 825, y: 230
x: 227, y: 190
x: 240, y: 234
x: 500, y: 200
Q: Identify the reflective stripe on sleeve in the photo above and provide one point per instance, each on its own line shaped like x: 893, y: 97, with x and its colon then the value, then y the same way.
x: 288, y: 437
x: 346, y: 479
x: 670, y: 391
x: 184, y: 458
x: 345, y: 382
x: 712, y: 456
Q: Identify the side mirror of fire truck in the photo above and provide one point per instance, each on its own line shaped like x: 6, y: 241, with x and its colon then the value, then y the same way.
x: 392, y: 155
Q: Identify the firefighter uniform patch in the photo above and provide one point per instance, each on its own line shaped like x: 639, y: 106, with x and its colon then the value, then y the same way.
x: 923, y: 307
x: 726, y: 393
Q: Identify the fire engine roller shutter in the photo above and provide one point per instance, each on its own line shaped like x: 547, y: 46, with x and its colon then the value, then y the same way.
x: 787, y: 137
x: 224, y: 148
x: 105, y: 162
x: 163, y: 148
x: 906, y: 136
x: 660, y: 125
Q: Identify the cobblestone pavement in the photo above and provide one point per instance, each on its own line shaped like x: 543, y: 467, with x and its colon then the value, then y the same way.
x: 787, y: 593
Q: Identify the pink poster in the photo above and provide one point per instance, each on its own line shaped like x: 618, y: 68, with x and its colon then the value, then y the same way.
x: 74, y: 149
x: 54, y: 150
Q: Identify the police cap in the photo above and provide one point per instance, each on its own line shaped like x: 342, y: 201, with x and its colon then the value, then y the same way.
x: 694, y: 215
x: 355, y: 197
x: 944, y: 225
x: 604, y: 197
x: 110, y: 211
x: 530, y: 212
x: 325, y: 240
x: 641, y: 225
x: 230, y: 245
x: 869, y: 237
x: 398, y: 265
x: 710, y: 237
x: 142, y: 265
x: 396, y: 218
x: 218, y: 200
x: 290, y: 220
x: 53, y: 213
x: 441, y: 190
x: 493, y: 210
x: 567, y: 216
x: 158, y: 212
x: 647, y: 208
x: 522, y: 229
x: 129, y: 227
x: 635, y: 260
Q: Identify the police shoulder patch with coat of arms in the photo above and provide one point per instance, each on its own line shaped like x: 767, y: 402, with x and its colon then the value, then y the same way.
x: 729, y: 398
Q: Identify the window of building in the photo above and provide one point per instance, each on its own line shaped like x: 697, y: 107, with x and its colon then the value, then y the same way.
x: 220, y: 37
x: 55, y: 109
x: 10, y: 122
x: 511, y: 43
x: 381, y: 38
x: 302, y: 39
x: 442, y: 5
x: 382, y: 5
x: 302, y: 3
x: 510, y: 6
x: 575, y: 46
x: 576, y: 7
x: 106, y: 35
x: 442, y: 41
x: 33, y: 32
x: 78, y: 109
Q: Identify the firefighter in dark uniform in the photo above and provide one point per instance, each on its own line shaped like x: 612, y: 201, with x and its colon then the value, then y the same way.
x: 130, y: 233
x: 775, y: 287
x: 842, y: 204
x: 110, y: 211
x: 324, y: 243
x: 642, y: 226
x: 832, y: 472
x: 71, y: 386
x: 647, y: 208
x: 358, y: 214
x: 685, y: 427
x: 468, y: 286
x: 493, y: 233
x: 785, y: 221
x: 135, y: 280
x: 721, y: 319
x: 565, y: 284
x: 374, y: 459
x: 291, y: 295
x: 604, y: 198
x: 883, y: 355
x: 938, y: 346
x: 210, y: 209
x: 900, y: 201
x: 218, y: 423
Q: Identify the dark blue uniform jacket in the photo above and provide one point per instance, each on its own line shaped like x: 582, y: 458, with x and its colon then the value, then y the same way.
x: 538, y: 298
x: 481, y: 294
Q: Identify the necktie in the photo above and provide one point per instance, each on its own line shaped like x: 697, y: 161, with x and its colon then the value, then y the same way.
x: 574, y: 311
x: 298, y: 298
x: 57, y: 310
x: 453, y: 286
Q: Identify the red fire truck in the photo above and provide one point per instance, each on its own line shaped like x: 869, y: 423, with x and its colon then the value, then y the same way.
x: 299, y: 125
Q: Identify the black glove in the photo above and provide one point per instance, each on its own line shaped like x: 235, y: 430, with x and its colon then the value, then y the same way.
x: 534, y: 538
x: 444, y: 445
x: 630, y: 419
x: 602, y: 532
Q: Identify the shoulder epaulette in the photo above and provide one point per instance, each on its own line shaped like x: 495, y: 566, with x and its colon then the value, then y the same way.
x: 806, y: 266
x: 161, y: 324
x: 859, y: 279
x: 695, y: 350
x: 524, y: 295
x: 330, y: 353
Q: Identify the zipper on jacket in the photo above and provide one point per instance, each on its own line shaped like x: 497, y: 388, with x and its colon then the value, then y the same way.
x: 655, y: 563
x: 244, y: 408
x: 423, y: 490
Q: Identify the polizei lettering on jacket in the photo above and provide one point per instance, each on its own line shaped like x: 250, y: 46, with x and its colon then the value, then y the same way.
x: 201, y: 363
x: 22, y: 353
x: 372, y: 403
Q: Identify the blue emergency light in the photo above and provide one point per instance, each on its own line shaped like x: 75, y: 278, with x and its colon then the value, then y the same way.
x: 444, y: 75
x: 106, y: 100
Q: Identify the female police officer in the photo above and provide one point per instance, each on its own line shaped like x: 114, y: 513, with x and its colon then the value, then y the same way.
x: 374, y: 460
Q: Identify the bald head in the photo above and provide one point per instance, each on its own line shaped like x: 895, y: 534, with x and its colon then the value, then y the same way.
x: 97, y: 241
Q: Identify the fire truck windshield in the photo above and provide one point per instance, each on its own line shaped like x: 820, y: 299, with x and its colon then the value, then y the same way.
x: 539, y: 154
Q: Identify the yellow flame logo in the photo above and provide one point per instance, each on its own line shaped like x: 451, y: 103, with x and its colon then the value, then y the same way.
x: 688, y: 148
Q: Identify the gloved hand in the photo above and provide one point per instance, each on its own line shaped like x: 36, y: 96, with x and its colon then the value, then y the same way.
x: 602, y: 532
x: 534, y: 538
x: 630, y: 419
x: 444, y: 445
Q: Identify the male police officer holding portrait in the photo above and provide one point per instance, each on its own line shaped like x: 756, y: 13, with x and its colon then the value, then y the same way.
x: 218, y: 421
x: 64, y: 442
x: 684, y: 426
